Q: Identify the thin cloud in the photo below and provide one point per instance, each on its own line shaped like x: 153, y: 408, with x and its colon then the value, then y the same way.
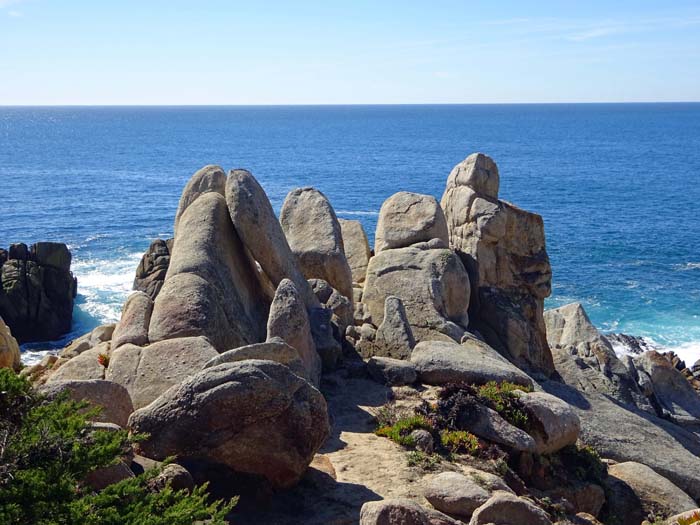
x: 8, y: 3
x: 596, y: 32
x: 14, y: 14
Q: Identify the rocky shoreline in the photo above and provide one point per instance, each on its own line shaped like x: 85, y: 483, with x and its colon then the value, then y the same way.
x: 264, y: 353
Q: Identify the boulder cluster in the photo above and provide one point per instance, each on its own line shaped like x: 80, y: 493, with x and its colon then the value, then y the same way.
x: 240, y: 322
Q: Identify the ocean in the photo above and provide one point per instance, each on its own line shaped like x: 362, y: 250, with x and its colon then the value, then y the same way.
x: 618, y: 186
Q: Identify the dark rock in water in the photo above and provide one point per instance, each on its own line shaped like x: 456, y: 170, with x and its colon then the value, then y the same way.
x: 38, y: 290
x: 631, y: 343
x: 151, y: 271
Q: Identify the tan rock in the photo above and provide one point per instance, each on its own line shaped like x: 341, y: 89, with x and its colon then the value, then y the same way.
x: 356, y: 248
x: 9, y: 349
x: 135, y: 318
x: 208, y: 179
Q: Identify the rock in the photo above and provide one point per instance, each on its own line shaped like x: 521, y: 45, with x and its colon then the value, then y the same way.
x: 85, y: 366
x: 504, y: 508
x: 314, y: 235
x: 401, y: 512
x: 488, y: 424
x: 148, y: 372
x: 173, y: 475
x: 327, y: 346
x: 657, y: 495
x: 35, y: 371
x: 459, y: 495
x: 584, y: 357
x: 255, y: 417
x: 260, y: 231
x: 625, y: 433
x: 77, y: 346
x: 289, y: 321
x: 556, y: 423
x: 332, y: 299
x: 153, y: 268
x: 423, y: 441
x: 208, y: 179
x: 388, y: 371
x: 439, y: 363
x: 212, y: 288
x: 630, y: 343
x: 113, y: 399
x: 102, y: 478
x: 102, y: 334
x: 133, y: 325
x: 503, y: 248
x: 9, y: 349
x: 37, y: 291
x: 432, y: 284
x: 394, y: 337
x: 273, y: 350
x: 407, y: 218
x: 356, y: 248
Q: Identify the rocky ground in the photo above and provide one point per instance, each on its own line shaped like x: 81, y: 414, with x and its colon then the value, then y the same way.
x: 419, y: 383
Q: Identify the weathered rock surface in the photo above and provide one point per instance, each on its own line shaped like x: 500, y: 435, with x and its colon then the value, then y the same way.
x: 82, y: 367
x: 273, y: 350
x: 112, y: 398
x: 556, y: 423
x: 460, y: 495
x: 394, y: 337
x: 289, y: 321
x: 9, y: 349
x: 439, y: 362
x: 133, y: 325
x: 37, y: 291
x: 255, y: 417
x: 407, y: 218
x: 314, y: 235
x: 504, y: 508
x: 148, y: 372
x: 153, y: 267
x: 390, y: 371
x: 261, y: 232
x: 432, y: 285
x: 356, y: 247
x: 656, y: 494
x: 488, y: 424
x: 503, y: 248
x: 212, y: 288
x: 208, y: 179
x: 401, y: 512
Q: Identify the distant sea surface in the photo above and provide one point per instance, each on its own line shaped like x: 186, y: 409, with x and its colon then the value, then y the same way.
x: 618, y: 186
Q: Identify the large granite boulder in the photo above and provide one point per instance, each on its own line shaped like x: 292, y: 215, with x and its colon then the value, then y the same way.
x: 431, y: 283
x: 356, y: 247
x: 460, y: 495
x: 261, y: 232
x: 314, y: 235
x: 401, y: 512
x: 407, y: 218
x: 208, y: 179
x: 504, y: 508
x: 9, y: 349
x: 274, y: 349
x: 133, y: 325
x: 212, y: 287
x: 503, y: 248
x: 256, y: 417
x: 474, y: 362
x: 153, y: 267
x: 37, y: 292
x: 148, y: 372
x: 555, y: 422
x: 289, y: 321
x: 84, y: 366
x: 394, y: 337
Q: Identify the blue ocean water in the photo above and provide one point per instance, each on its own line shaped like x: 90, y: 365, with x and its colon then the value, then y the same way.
x: 618, y: 186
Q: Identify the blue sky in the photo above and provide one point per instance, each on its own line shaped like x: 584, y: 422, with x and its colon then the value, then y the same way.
x: 325, y: 52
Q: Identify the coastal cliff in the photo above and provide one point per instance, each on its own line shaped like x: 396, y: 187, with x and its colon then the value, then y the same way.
x: 283, y: 360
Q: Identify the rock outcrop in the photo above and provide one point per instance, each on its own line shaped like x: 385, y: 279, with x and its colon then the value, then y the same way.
x: 314, y: 235
x: 208, y: 179
x: 9, y: 349
x: 134, y: 322
x: 356, y: 248
x: 256, y: 417
x: 37, y: 292
x: 503, y: 248
x: 151, y: 271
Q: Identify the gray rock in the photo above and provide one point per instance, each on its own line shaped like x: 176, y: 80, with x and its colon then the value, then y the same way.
x: 388, y: 371
x: 102, y: 334
x: 148, y: 372
x: 153, y: 267
x: 408, y: 218
x: 314, y: 235
x: 394, y: 337
x: 133, y: 325
x: 488, y: 424
x: 557, y: 424
x: 327, y: 346
x: 173, y: 475
x: 289, y: 321
x: 208, y: 179
x: 212, y: 288
x: 423, y: 441
x: 504, y: 508
x: 459, y: 495
x: 82, y: 367
x: 112, y: 399
x: 273, y: 350
x: 356, y: 248
x: 255, y: 417
x: 401, y: 512
x: 260, y: 231
x: 439, y: 362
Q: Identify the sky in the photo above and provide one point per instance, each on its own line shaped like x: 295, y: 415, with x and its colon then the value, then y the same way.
x: 88, y: 52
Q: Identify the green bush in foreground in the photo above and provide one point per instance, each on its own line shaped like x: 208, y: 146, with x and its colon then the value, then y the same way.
x: 47, y: 448
x: 400, y: 431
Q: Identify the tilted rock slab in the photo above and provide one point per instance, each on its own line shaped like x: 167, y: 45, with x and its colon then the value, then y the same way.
x: 356, y: 247
x: 256, y: 417
x: 460, y: 495
x: 504, y: 508
x: 153, y: 267
x: 273, y: 350
x: 394, y: 337
x: 503, y: 248
x: 407, y: 218
x: 555, y: 422
x: 212, y: 287
x: 432, y: 285
x: 208, y: 179
x: 133, y: 325
x: 314, y: 235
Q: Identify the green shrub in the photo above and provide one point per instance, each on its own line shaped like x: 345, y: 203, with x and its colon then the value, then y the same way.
x: 459, y: 441
x: 584, y: 462
x: 46, y: 450
x: 502, y: 398
x: 419, y: 459
x: 400, y: 431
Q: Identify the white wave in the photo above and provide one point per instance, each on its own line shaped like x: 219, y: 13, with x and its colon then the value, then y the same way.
x: 360, y: 213
x: 687, y: 266
x: 688, y: 352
